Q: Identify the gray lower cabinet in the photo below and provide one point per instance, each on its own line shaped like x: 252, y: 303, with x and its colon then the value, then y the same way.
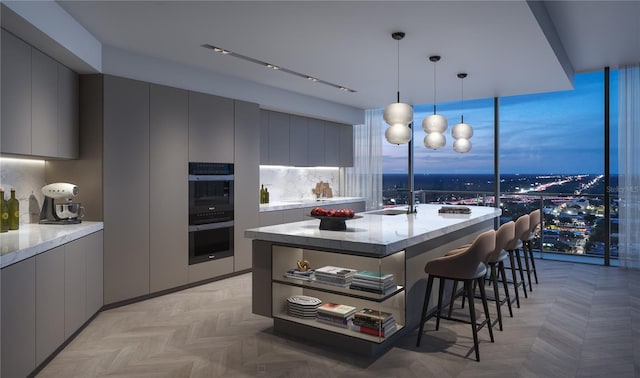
x: 19, y: 318
x: 50, y: 302
x: 93, y: 259
x: 169, y: 153
x: 126, y: 189
x: 210, y: 128
x: 75, y: 286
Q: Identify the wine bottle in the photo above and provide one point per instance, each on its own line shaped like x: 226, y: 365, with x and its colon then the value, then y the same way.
x: 4, y: 213
x: 266, y: 195
x: 262, y: 194
x: 14, y: 211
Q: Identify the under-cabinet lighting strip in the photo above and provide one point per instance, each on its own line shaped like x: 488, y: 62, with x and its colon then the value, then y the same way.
x: 277, y: 68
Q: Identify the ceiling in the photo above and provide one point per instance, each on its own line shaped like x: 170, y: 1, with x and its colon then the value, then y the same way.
x: 506, y: 47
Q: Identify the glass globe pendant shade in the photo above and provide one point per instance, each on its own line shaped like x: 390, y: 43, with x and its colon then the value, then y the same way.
x: 398, y: 113
x: 434, y: 140
x: 462, y: 131
x: 398, y: 134
x: 435, y: 123
x: 462, y: 145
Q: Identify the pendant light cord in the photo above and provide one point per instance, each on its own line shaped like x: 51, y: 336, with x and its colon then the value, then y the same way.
x: 398, y: 63
x: 434, y: 88
x: 462, y: 100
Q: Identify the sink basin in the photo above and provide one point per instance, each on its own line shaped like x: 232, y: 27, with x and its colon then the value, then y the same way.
x: 389, y: 212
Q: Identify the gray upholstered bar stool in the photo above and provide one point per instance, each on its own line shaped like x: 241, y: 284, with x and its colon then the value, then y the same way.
x: 467, y: 266
x: 513, y: 248
x: 505, y: 234
x: 534, y: 223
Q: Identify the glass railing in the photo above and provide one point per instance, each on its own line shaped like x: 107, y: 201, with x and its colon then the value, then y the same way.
x: 572, y: 225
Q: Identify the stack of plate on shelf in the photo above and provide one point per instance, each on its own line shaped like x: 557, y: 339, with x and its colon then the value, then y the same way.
x: 303, y: 306
x: 335, y: 314
x: 373, y: 282
x: 333, y: 275
x: 374, y: 322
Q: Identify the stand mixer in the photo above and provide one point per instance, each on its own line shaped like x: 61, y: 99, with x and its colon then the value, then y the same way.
x: 62, y: 213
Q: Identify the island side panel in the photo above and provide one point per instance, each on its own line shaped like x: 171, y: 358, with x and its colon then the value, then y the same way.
x: 417, y: 257
x: 261, y: 278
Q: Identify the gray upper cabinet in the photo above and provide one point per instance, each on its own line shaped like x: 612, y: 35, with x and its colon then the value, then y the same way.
x: 315, y: 142
x: 210, y: 128
x: 16, y: 96
x: 44, y: 105
x: 346, y: 146
x: 264, y: 137
x: 68, y: 113
x: 331, y: 144
x: 278, y: 138
x: 168, y: 177
x: 298, y: 141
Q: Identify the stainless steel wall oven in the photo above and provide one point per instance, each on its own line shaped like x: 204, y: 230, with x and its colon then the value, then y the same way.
x: 210, y: 211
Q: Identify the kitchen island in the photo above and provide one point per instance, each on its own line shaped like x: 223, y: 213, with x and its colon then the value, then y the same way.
x: 388, y: 241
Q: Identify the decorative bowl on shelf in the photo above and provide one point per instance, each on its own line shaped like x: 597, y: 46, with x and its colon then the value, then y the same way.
x: 333, y: 223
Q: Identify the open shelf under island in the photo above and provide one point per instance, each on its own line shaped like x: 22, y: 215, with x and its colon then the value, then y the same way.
x: 389, y: 242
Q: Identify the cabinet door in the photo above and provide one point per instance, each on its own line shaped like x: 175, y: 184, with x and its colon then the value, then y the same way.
x: 18, y: 318
x: 298, y: 141
x: 332, y: 144
x: 75, y: 286
x: 210, y: 128
x: 93, y: 250
x: 16, y: 96
x: 264, y: 137
x: 316, y: 142
x: 49, y: 302
x: 126, y: 189
x: 68, y: 113
x: 44, y: 105
x: 346, y: 146
x: 269, y: 218
x: 169, y: 188
x: 278, y: 138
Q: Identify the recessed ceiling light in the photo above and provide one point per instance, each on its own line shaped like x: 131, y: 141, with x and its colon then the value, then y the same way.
x: 277, y: 68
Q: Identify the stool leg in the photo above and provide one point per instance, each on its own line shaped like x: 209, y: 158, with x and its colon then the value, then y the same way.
x: 514, y: 276
x: 472, y: 313
x: 440, y: 295
x: 526, y: 263
x: 483, y: 295
x: 494, y: 280
x: 524, y: 284
x: 505, y: 286
x: 425, y: 306
x: 533, y: 261
x: 454, y: 289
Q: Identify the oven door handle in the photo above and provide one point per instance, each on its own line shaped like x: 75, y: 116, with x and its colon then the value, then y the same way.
x: 210, y: 177
x: 210, y: 226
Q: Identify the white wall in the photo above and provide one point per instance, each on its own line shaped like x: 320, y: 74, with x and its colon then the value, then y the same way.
x: 293, y: 183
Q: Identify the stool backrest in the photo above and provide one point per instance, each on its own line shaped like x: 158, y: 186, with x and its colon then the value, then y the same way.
x: 522, y: 231
x: 505, y: 234
x: 463, y: 265
x: 534, y: 220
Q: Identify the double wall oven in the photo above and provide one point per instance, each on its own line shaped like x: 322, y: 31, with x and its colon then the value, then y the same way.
x: 210, y: 211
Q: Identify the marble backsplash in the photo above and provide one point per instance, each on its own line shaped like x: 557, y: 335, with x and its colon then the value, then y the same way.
x: 27, y: 178
x: 294, y: 183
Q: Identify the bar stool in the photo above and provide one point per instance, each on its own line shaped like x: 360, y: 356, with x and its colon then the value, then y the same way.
x: 513, y: 248
x: 534, y: 223
x: 467, y: 266
x: 504, y: 236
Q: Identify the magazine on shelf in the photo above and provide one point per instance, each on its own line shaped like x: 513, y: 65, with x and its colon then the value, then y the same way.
x: 383, y: 291
x: 335, y: 271
x: 331, y: 322
x: 335, y: 319
x: 373, y: 315
x: 374, y: 276
x: 371, y: 284
x: 374, y: 331
x: 336, y: 309
x: 300, y: 275
x: 375, y: 324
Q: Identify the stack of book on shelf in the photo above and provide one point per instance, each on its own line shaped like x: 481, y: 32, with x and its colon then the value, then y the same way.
x: 303, y: 306
x: 373, y: 282
x: 333, y: 275
x: 305, y: 275
x: 373, y: 322
x: 335, y: 314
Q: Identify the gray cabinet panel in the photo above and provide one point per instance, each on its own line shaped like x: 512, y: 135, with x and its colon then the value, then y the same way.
x: 278, y: 138
x: 44, y: 105
x: 169, y: 154
x: 93, y: 250
x: 346, y: 146
x: 18, y: 318
x: 210, y: 128
x: 75, y: 286
x: 332, y: 144
x: 210, y: 269
x: 268, y: 218
x: 316, y: 142
x: 126, y: 189
x: 247, y: 176
x: 16, y: 96
x: 298, y: 141
x: 49, y: 302
x: 264, y: 137
x: 68, y: 113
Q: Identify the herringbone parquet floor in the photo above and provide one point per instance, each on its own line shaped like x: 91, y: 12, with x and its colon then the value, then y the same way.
x: 580, y: 321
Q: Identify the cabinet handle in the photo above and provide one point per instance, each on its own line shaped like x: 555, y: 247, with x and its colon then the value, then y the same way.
x: 211, y: 257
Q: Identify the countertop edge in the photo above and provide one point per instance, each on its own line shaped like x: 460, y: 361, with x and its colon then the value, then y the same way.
x: 63, y: 236
x: 286, y: 205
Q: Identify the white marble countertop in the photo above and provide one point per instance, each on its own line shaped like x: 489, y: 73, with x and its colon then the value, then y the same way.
x: 376, y: 234
x: 32, y: 239
x: 297, y: 204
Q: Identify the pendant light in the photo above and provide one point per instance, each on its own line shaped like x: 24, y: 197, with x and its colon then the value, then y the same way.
x: 434, y: 125
x: 462, y: 132
x: 398, y: 115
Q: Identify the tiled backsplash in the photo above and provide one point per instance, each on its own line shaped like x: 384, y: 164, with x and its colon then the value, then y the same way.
x: 293, y: 183
x: 27, y: 178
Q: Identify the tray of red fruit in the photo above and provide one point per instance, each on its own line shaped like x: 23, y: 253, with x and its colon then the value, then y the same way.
x: 333, y: 219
